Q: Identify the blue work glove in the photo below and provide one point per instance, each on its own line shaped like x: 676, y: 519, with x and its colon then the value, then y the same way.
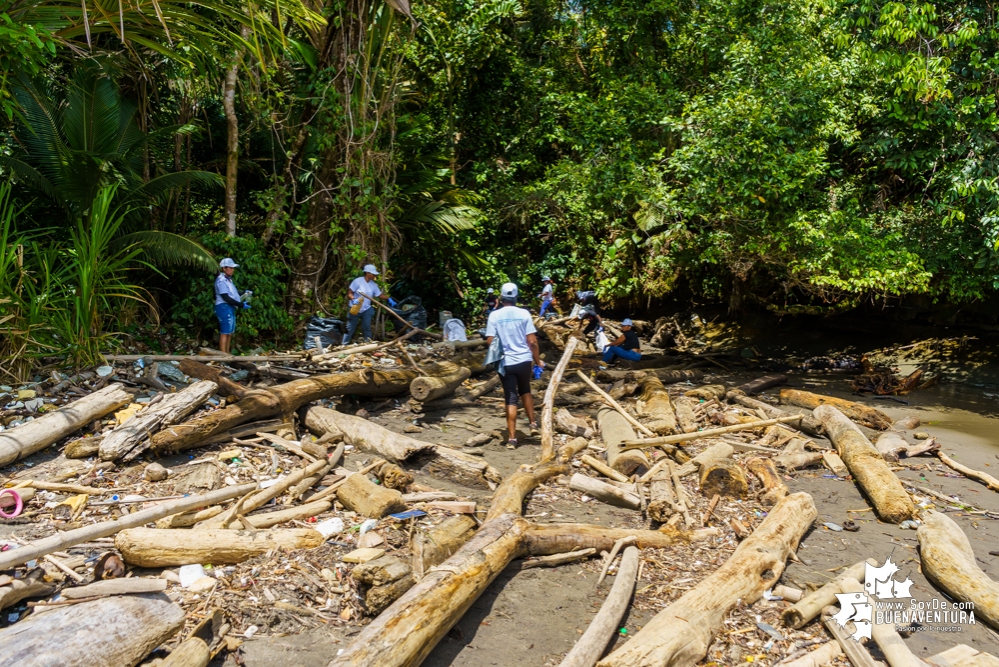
x: 393, y: 302
x: 537, y: 372
x: 600, y: 329
x: 246, y: 306
x: 356, y: 301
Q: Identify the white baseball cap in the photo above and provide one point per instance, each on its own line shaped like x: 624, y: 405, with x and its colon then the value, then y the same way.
x: 626, y: 322
x: 546, y: 279
x: 490, y: 290
x: 370, y: 268
x: 509, y: 291
x: 228, y: 263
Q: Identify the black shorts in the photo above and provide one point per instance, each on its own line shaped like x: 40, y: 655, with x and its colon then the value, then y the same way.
x: 516, y: 381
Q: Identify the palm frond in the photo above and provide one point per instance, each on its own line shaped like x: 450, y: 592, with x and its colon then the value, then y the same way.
x: 441, y: 216
x: 30, y: 176
x: 154, y: 190
x: 166, y: 249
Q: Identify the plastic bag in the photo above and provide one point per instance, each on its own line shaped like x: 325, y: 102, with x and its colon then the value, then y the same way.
x: 495, y: 356
x: 328, y: 329
x: 454, y: 329
x: 602, y: 342
x: 411, y: 309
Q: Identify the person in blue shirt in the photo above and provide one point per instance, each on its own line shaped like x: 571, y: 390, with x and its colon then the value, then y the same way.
x: 627, y: 346
x: 227, y: 302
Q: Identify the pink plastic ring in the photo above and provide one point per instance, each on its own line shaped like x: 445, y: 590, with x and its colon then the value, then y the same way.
x: 18, y: 504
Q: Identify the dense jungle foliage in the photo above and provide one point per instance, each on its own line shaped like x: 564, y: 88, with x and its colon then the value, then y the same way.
x: 798, y: 155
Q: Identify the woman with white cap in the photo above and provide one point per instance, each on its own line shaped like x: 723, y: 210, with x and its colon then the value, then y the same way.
x: 518, y: 337
x: 360, y: 293
x: 227, y: 301
x: 547, y: 295
x: 627, y: 346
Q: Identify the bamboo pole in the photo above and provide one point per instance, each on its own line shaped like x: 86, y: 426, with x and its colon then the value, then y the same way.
x: 614, y: 404
x: 707, y: 433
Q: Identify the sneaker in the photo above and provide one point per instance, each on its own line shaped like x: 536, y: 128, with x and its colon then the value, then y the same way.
x: 511, y: 443
x: 534, y: 429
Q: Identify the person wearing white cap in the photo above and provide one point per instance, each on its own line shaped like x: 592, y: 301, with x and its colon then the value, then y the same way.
x: 360, y: 293
x: 227, y: 301
x: 547, y: 295
x: 492, y: 303
x: 627, y: 346
x: 516, y: 333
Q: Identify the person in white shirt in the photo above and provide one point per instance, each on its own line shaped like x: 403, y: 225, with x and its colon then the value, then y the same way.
x: 360, y: 293
x: 547, y: 295
x: 516, y: 332
x: 227, y: 301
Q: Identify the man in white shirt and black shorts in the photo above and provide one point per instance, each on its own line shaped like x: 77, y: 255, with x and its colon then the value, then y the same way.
x: 516, y: 332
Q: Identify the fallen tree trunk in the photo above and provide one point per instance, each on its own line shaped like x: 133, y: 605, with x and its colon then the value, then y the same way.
x: 985, y: 478
x: 409, y: 629
x: 33, y: 436
x: 432, y: 388
x: 774, y: 487
x: 566, y: 423
x: 280, y: 400
x: 111, y: 632
x: 30, y: 586
x: 614, y: 430
x: 130, y: 439
x: 664, y: 375
x: 810, y: 606
x: 794, y: 455
x: 680, y: 635
x: 568, y: 451
x: 891, y: 445
x: 762, y: 384
x: 714, y: 453
x: 869, y: 417
x: 662, y: 503
x: 462, y: 398
x: 875, y: 478
x: 604, y: 625
x: 604, y: 492
x: 949, y: 562
x: 59, y: 541
x: 685, y: 418
x: 436, y: 460
x: 361, y: 495
x: 706, y: 433
x: 152, y: 547
x: 723, y: 477
x: 434, y: 546
x: 808, y: 424
x: 657, y: 406
x: 548, y: 404
x: 196, y: 369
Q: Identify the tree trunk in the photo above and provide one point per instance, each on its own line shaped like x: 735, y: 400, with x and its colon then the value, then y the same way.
x: 30, y: 586
x: 878, y: 482
x: 680, y: 635
x: 614, y: 430
x: 111, y: 632
x: 657, y: 406
x: 794, y: 455
x: 949, y: 562
x: 869, y: 417
x: 724, y: 477
x: 891, y: 445
x: 662, y: 502
x: 810, y: 606
x: 548, y: 404
x: 232, y: 143
x: 432, y: 388
x: 226, y: 387
x: 604, y: 492
x: 130, y: 439
x: 706, y: 458
x: 808, y: 424
x: 762, y: 384
x: 152, y: 547
x: 684, y: 408
x: 21, y: 441
x: 566, y: 423
x: 433, y: 547
x: 665, y: 375
x: 361, y: 495
x: 774, y: 487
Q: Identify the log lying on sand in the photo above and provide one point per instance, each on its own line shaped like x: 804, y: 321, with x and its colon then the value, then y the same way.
x: 463, y: 398
x: 662, y: 502
x: 685, y: 418
x: 810, y: 606
x: 712, y: 454
x: 30, y: 586
x: 869, y: 417
x: 948, y: 561
x: 436, y: 460
x: 433, y: 388
x: 434, y: 546
x: 794, y: 455
x: 283, y: 399
x: 33, y: 436
x: 614, y: 430
x: 808, y: 424
x: 657, y: 406
x: 723, y: 477
x: 361, y: 495
x: 196, y: 369
x: 152, y: 547
x: 111, y: 632
x: 819, y: 657
x: 409, y: 629
x: 664, y: 375
x: 548, y: 403
x: 761, y: 384
x: 604, y: 492
x: 891, y: 445
x: 875, y: 478
x: 983, y: 477
x: 680, y: 635
x: 566, y: 423
x: 130, y: 439
x: 575, y: 446
x: 774, y: 487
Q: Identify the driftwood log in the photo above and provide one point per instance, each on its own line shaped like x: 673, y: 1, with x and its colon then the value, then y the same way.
x: 432, y: 388
x: 794, y: 455
x: 568, y: 451
x: 712, y: 454
x: 949, y: 562
x: 130, y: 439
x: 548, y: 403
x: 680, y: 635
x: 868, y: 416
x: 662, y: 502
x: 614, y: 430
x: 725, y: 477
x: 891, y: 446
x: 111, y: 632
x: 774, y: 487
x: 810, y: 606
x: 33, y: 436
x: 30, y: 586
x: 604, y: 492
x: 434, y: 546
x: 685, y: 418
x: 875, y: 478
x: 152, y: 547
x: 762, y: 384
x: 566, y: 423
x: 656, y: 406
x: 196, y: 369
x: 665, y: 375
x: 361, y: 495
x: 436, y: 460
x: 808, y: 424
x: 977, y: 475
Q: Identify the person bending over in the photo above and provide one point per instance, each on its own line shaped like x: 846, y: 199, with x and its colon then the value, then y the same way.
x: 627, y: 346
x: 516, y: 332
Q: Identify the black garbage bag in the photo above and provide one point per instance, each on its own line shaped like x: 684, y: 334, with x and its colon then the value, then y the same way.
x: 411, y: 309
x: 330, y: 331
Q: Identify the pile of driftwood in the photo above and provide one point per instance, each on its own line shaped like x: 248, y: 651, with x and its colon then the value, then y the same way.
x: 305, y: 511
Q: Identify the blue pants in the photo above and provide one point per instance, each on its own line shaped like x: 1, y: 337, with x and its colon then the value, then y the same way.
x: 614, y: 351
x: 544, y: 306
x: 226, y: 315
x: 364, y: 317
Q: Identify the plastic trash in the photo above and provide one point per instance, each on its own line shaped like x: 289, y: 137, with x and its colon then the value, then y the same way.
x: 171, y: 372
x: 191, y: 573
x: 833, y: 526
x: 454, y: 329
x: 104, y: 371
x: 411, y: 309
x: 329, y: 330
x: 330, y: 527
x: 369, y: 524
